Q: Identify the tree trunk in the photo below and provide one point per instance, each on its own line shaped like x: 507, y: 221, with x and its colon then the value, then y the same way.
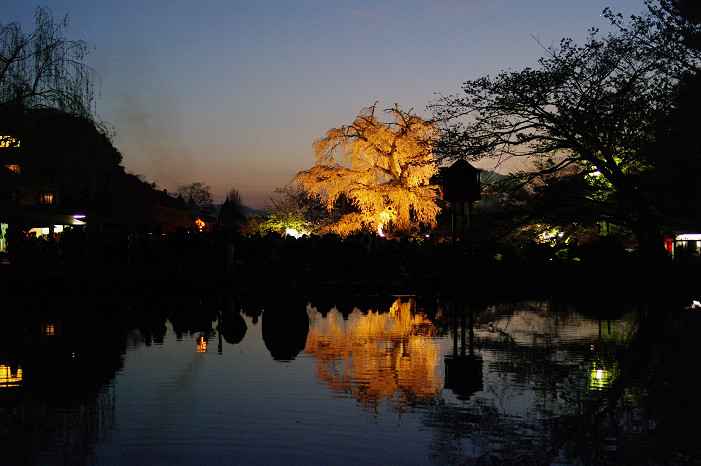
x: 642, y: 221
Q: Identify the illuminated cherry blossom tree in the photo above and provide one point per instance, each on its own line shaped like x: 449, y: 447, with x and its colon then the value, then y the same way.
x: 382, y: 169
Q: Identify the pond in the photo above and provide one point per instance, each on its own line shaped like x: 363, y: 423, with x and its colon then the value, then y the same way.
x: 179, y: 377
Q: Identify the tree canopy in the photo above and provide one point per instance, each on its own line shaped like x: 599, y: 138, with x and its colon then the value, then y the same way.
x: 586, y: 116
x: 197, y: 193
x: 291, y: 208
x: 43, y: 69
x: 232, y: 209
x: 383, y: 170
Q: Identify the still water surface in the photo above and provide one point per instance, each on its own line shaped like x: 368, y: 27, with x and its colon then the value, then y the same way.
x: 402, y: 380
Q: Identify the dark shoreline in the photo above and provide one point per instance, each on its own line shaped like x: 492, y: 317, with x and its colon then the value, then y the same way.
x: 479, y: 280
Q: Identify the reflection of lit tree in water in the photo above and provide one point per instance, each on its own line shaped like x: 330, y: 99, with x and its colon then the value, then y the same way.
x: 379, y: 356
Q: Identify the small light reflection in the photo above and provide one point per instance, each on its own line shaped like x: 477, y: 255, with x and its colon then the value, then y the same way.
x: 7, y: 379
x: 49, y: 330
x: 8, y: 141
x: 201, y: 344
x: 601, y: 377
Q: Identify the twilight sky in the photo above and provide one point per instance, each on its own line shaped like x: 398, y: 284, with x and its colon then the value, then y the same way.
x: 234, y: 93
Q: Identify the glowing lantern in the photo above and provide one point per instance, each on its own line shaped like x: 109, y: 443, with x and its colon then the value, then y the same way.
x: 200, y: 225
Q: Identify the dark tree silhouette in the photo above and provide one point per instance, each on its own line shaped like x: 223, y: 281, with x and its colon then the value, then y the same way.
x: 232, y: 210
x: 587, y: 114
x: 43, y: 69
x: 196, y: 193
x: 674, y: 30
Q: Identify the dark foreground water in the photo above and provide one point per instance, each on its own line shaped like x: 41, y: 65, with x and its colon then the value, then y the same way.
x: 180, y: 377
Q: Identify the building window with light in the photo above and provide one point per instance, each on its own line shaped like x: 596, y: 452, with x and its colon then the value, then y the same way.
x: 14, y: 168
x: 46, y: 198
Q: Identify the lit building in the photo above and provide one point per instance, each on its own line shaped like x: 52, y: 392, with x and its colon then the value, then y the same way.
x: 31, y: 185
x: 173, y: 212
x: 687, y: 245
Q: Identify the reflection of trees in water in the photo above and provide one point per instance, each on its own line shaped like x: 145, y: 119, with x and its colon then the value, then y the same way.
x: 657, y: 393
x: 536, y: 405
x: 189, y: 312
x: 479, y: 433
x: 70, y: 348
x: 41, y: 432
x: 285, y: 332
x: 232, y: 327
x: 377, y: 357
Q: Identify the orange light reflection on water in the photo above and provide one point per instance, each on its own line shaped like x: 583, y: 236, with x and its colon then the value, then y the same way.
x: 201, y: 345
x: 379, y: 356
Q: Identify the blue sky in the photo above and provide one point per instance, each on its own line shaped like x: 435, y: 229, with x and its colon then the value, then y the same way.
x: 234, y: 93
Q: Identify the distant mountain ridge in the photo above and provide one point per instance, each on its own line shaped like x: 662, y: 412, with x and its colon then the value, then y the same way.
x: 249, y: 211
x: 491, y: 177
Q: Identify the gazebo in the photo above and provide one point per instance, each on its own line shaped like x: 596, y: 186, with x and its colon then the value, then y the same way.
x: 462, y: 188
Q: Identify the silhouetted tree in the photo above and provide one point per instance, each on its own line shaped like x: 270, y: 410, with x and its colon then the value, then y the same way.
x: 673, y: 30
x: 232, y: 210
x: 198, y: 194
x: 588, y: 114
x: 43, y: 69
